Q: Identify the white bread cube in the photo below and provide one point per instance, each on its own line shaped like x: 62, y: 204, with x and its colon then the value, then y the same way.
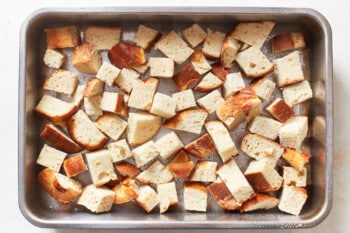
x: 102, y: 37
x: 126, y: 79
x: 195, y: 197
x: 205, y: 171
x: 94, y: 87
x: 86, y: 59
x: 119, y: 150
x: 97, y: 199
x: 297, y: 93
x: 108, y: 73
x: 114, y: 102
x: 168, y: 145
x: 233, y: 83
x: 61, y: 81
x: 161, y: 67
x: 292, y: 176
x: 53, y: 58
x: 208, y: 83
x: 229, y: 51
x: 167, y: 196
x: 78, y: 95
x: 294, y: 131
x: 213, y: 43
x: 199, y: 62
x: 51, y: 158
x: 235, y: 181
x: 92, y: 105
x: 263, y: 88
x: 265, y: 126
x: 112, y: 125
x: 184, y: 99
x: 211, y: 101
x: 156, y: 173
x: 101, y: 167
x: 163, y: 105
x: 148, y: 198
x: 146, y: 36
x: 145, y: 153
x: 280, y: 110
x: 292, y: 199
x: 190, y: 120
x: 142, y: 94
x: 222, y: 140
x: 222, y: 195
x: 260, y: 202
x: 194, y: 35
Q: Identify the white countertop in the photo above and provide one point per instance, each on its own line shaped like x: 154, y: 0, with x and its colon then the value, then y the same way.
x: 15, y: 11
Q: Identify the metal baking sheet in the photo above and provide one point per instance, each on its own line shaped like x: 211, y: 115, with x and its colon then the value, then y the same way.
x: 41, y: 210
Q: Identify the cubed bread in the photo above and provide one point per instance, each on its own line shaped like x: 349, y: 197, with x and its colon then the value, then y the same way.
x: 222, y: 195
x: 163, y: 105
x: 181, y: 166
x: 97, y: 199
x: 86, y: 59
x: 265, y: 126
x: 85, y: 133
x: 287, y: 41
x: 60, y: 187
x: 208, y: 83
x: 296, y: 158
x: 78, y: 95
x: 148, y: 198
x: 221, y: 137
x: 280, y: 110
x: 219, y: 70
x: 194, y: 35
x: 213, y: 43
x: 254, y: 62
x: 195, y: 197
x: 297, y: 93
x: 112, y: 125
x: 288, y: 69
x: 119, y: 150
x: 259, y: 202
x: 199, y: 62
x: 292, y: 176
x: 114, y: 102
x: 74, y: 165
x: 184, y: 99
x: 205, y: 171
x: 161, y: 67
x: 53, y: 58
x: 233, y: 83
x: 292, y: 199
x: 141, y: 69
x: 201, y: 147
x: 62, y: 37
x: 94, y: 87
x: 294, y: 131
x: 92, y: 105
x: 186, y: 78
x: 168, y: 145
x: 211, y: 101
x: 108, y: 73
x: 229, y: 51
x: 125, y: 191
x: 126, y: 55
x: 58, y: 139
x: 142, y: 94
x: 51, y: 158
x: 190, y: 120
x: 167, y: 196
x: 146, y: 36
x: 172, y: 46
x: 102, y: 37
x: 127, y: 169
x: 236, y: 182
x: 145, y: 153
x: 156, y: 173
x: 142, y: 127
x: 263, y: 88
x: 101, y: 167
x: 127, y: 79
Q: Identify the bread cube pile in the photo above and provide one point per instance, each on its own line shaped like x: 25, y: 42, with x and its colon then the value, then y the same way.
x: 150, y: 117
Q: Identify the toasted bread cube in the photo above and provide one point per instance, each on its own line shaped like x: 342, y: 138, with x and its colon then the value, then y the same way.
x: 208, y: 83
x: 194, y: 35
x: 161, y: 67
x: 156, y: 173
x: 53, y: 58
x: 127, y: 169
x: 141, y: 69
x: 205, y: 171
x: 163, y: 105
x: 148, y: 198
x: 263, y: 88
x: 97, y: 199
x: 119, y: 150
x: 296, y: 158
x: 168, y: 145
x: 280, y: 110
x: 265, y: 126
x: 145, y: 153
x: 297, y: 93
x: 93, y: 87
x: 51, y: 158
x: 222, y: 195
x: 287, y: 41
x: 294, y: 131
x: 126, y: 55
x: 260, y: 202
x: 92, y: 105
x: 181, y: 166
x: 195, y: 197
x: 102, y: 37
x: 167, y: 196
x: 146, y: 36
x: 211, y: 101
x: 219, y: 70
x: 292, y: 199
x: 86, y: 59
x: 108, y: 73
x: 190, y: 120
x: 292, y: 176
x: 199, y: 62
x: 61, y: 81
x: 111, y: 125
x: 125, y: 191
x: 184, y: 99
x: 201, y: 147
x: 126, y: 79
x: 62, y: 37
x: 233, y: 83
x: 186, y: 77
x: 74, y: 165
x: 213, y: 43
x: 114, y: 102
x: 142, y: 94
x: 289, y: 69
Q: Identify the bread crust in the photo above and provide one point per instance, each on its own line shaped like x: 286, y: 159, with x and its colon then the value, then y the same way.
x: 259, y: 183
x: 74, y: 165
x: 201, y: 147
x: 280, y: 110
x: 220, y: 71
x: 257, y: 200
x: 86, y: 59
x: 186, y: 77
x: 125, y: 55
x: 63, y: 37
x: 223, y: 196
x: 127, y: 169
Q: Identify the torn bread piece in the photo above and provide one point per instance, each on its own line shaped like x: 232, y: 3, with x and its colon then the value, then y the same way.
x: 92, y: 105
x: 86, y: 59
x: 195, y: 197
x: 222, y: 195
x: 233, y: 83
x: 119, y: 150
x: 167, y: 196
x: 145, y: 153
x: 112, y: 125
x: 229, y: 51
x: 94, y: 87
x: 194, y: 35
x: 208, y: 83
x: 51, y: 158
x: 259, y: 202
x: 156, y: 173
x: 142, y: 94
x: 205, y: 171
x: 168, y: 145
x: 78, y: 95
x: 54, y: 58
x: 102, y: 37
x: 213, y: 43
x: 97, y: 199
x: 181, y: 166
x: 146, y: 36
x: 201, y: 147
x: 148, y: 198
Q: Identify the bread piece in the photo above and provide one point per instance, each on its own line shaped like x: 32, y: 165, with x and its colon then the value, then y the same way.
x: 194, y: 35
x: 288, y: 69
x: 263, y: 88
x: 156, y: 173
x: 97, y: 199
x: 74, y: 165
x: 78, y: 95
x: 201, y: 147
x: 167, y: 196
x: 292, y: 199
x: 126, y: 55
x: 127, y: 79
x: 168, y: 145
x: 85, y: 133
x: 62, y: 37
x: 102, y: 37
x: 58, y: 139
x: 280, y: 110
x: 265, y: 126
x: 60, y: 187
x: 145, y: 153
x: 114, y: 102
x: 142, y: 127
x: 161, y: 67
x: 186, y: 77
x: 195, y: 197
x: 205, y: 171
x: 119, y: 150
x: 213, y: 43
x: 163, y: 105
x: 262, y: 176
x: 260, y: 202
x: 111, y: 125
x: 127, y: 169
x: 184, y: 99
x: 141, y: 69
x: 233, y: 83
x: 86, y: 59
x: 93, y: 87
x: 294, y: 131
x: 253, y: 33
x: 296, y: 158
x: 297, y: 93
x: 287, y: 41
x: 51, y: 158
x: 53, y: 58
x: 254, y: 63
x: 292, y: 176
x: 222, y: 140
x: 125, y: 191
x: 142, y: 94
x: 108, y: 73
x: 222, y: 195
x: 208, y: 83
x: 181, y: 166
x: 190, y: 120
x: 219, y: 70
x: 199, y: 62
x: 211, y: 101
x: 92, y: 105
x: 229, y: 51
x: 146, y: 36
x: 172, y: 46
x: 235, y: 181
x: 55, y: 110
x: 148, y: 198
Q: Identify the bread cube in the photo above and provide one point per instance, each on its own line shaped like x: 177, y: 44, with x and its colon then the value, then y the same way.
x: 195, y: 197
x: 208, y: 83
x: 163, y: 105
x: 102, y: 37
x: 126, y: 169
x: 186, y: 77
x: 211, y: 101
x: 125, y: 191
x: 101, y: 167
x: 292, y: 199
x: 296, y: 158
x: 289, y: 69
x: 53, y: 58
x: 78, y: 95
x: 92, y: 105
x: 111, y: 125
x: 265, y: 126
x: 156, y: 173
x: 292, y: 176
x: 181, y: 166
x: 280, y: 110
x: 184, y: 99
x: 194, y: 35
x: 190, y: 120
x: 167, y: 196
x: 86, y: 59
x: 199, y: 62
x: 108, y: 73
x: 294, y: 131
x: 126, y: 79
x: 145, y: 153
x: 61, y: 81
x: 142, y: 94
x: 259, y: 202
x: 222, y: 195
x: 205, y: 171
x: 201, y: 147
x: 51, y: 158
x: 114, y: 102
x: 62, y: 37
x: 148, y: 198
x: 161, y: 67
x: 219, y: 70
x: 297, y: 93
x: 213, y: 43
x: 126, y: 55
x: 168, y: 145
x: 233, y: 83
x: 287, y: 41
x: 119, y: 150
x: 146, y: 36
x: 229, y: 51
x: 263, y: 88
x: 74, y: 165
x: 94, y: 87
x: 97, y: 199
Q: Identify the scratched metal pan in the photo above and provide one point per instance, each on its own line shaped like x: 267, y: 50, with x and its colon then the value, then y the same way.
x: 41, y: 210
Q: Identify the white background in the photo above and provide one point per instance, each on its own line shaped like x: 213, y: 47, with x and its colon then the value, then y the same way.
x: 14, y: 12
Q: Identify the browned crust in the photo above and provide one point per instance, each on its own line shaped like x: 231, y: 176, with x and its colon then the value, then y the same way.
x: 74, y: 165
x: 282, y: 42
x: 186, y: 77
x: 201, y: 147
x: 223, y: 196
x: 181, y: 166
x: 58, y: 119
x: 173, y: 122
x: 296, y: 158
x: 127, y: 169
x: 82, y: 58
x: 259, y: 198
x: 259, y: 183
x: 219, y: 70
x: 126, y: 55
x: 207, y: 89
x: 280, y: 110
x: 180, y: 157
x: 125, y: 191
x: 91, y: 86
x: 196, y: 186
x: 63, y: 37
x: 261, y: 74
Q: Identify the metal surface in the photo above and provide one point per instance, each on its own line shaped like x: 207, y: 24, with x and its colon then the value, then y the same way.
x: 43, y: 211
